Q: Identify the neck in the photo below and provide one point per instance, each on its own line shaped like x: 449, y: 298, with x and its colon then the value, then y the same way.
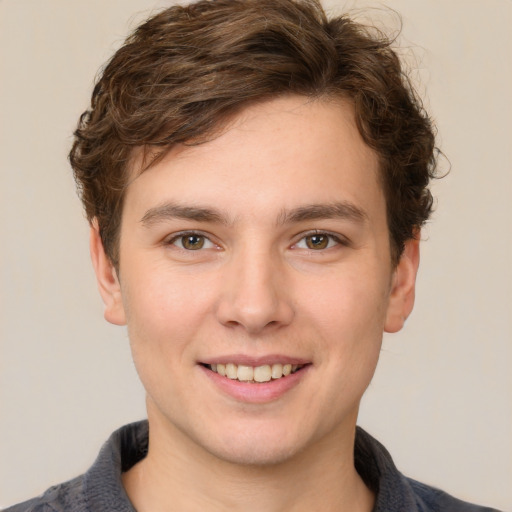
x: 178, y: 475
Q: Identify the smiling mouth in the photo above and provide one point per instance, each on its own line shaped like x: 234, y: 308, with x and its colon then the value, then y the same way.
x: 254, y: 374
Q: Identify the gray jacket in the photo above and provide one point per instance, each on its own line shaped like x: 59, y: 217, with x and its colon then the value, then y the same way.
x: 100, y: 488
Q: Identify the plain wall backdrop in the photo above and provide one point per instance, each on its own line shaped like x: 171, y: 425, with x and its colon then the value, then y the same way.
x: 441, y: 400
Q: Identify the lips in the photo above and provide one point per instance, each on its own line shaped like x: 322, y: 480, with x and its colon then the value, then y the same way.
x: 255, y: 379
x: 256, y: 374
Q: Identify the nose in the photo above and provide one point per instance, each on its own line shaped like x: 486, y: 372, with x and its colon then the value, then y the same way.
x: 255, y: 295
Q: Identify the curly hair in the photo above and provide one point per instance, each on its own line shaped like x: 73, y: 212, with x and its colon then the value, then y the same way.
x: 187, y: 69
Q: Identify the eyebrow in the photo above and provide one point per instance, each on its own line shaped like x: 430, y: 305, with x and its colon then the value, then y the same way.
x: 339, y: 210
x: 170, y: 211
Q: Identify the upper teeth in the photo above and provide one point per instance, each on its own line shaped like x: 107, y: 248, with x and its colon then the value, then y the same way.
x: 263, y: 373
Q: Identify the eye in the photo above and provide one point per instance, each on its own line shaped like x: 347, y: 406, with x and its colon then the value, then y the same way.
x: 191, y: 241
x: 318, y: 241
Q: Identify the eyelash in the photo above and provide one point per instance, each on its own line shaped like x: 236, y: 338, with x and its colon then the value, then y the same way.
x: 189, y: 234
x: 333, y: 240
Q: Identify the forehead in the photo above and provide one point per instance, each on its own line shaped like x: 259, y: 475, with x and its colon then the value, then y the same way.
x: 271, y: 156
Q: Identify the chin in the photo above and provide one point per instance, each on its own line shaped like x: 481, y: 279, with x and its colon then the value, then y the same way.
x: 254, y: 454
x: 260, y: 447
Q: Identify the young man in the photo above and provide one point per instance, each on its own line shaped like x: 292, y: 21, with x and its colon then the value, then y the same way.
x: 255, y: 177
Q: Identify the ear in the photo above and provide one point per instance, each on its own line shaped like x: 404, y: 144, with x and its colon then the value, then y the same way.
x: 401, y: 300
x: 106, y: 277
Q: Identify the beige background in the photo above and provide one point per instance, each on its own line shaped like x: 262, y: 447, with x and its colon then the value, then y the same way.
x: 442, y: 398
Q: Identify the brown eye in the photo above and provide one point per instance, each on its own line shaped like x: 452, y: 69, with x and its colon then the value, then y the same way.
x: 192, y: 242
x: 317, y: 242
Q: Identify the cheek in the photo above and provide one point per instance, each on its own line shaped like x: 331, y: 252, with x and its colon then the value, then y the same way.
x: 349, y: 321
x: 160, y: 329
x: 351, y: 301
x: 163, y: 315
x: 160, y: 301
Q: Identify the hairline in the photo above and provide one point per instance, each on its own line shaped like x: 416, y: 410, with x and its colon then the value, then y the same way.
x: 145, y: 157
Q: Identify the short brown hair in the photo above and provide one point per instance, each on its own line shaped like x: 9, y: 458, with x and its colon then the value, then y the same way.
x: 187, y: 69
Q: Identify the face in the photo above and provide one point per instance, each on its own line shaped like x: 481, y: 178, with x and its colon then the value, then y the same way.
x: 263, y: 254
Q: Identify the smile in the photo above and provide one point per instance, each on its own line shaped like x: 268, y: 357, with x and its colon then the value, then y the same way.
x: 255, y: 374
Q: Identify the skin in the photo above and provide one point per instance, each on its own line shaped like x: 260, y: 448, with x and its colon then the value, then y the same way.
x: 256, y: 289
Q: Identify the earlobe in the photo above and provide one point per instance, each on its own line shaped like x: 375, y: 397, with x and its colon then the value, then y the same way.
x: 401, y: 300
x: 107, y: 279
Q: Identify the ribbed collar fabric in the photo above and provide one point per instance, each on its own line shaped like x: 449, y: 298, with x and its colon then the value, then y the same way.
x: 103, y: 489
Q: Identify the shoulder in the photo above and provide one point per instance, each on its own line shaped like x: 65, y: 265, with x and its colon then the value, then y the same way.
x: 430, y: 499
x: 65, y: 497
x: 396, y: 492
x: 100, y: 488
